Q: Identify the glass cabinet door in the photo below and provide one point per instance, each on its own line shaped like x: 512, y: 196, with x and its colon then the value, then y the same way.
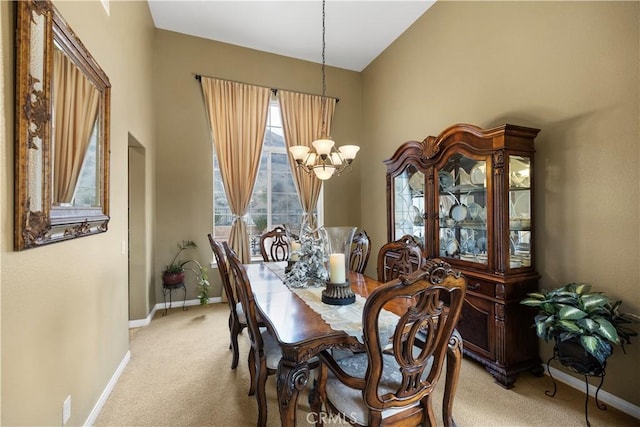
x: 462, y: 213
x: 519, y: 211
x: 409, y: 204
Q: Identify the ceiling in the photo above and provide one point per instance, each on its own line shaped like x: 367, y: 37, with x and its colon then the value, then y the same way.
x: 356, y: 32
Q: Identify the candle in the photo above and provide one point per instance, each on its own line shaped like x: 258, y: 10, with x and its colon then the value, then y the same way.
x: 295, y: 246
x: 337, y: 268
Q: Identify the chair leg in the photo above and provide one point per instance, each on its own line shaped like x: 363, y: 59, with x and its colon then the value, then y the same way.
x: 230, y: 330
x: 235, y: 330
x: 454, y: 362
x: 430, y: 418
x: 252, y: 372
x: 261, y: 396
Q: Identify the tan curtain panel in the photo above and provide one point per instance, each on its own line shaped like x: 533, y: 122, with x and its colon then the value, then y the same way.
x: 75, y: 108
x: 237, y: 115
x: 304, y: 118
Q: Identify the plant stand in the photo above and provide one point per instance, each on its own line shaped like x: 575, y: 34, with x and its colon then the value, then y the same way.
x: 167, y: 289
x: 577, y: 361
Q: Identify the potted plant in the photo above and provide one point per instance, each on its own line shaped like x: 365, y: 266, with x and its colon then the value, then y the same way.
x: 583, y: 324
x: 174, y: 273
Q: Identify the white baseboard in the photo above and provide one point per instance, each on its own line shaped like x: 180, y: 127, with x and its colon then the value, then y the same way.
x: 160, y: 306
x: 107, y: 390
x: 603, y: 396
x: 116, y: 375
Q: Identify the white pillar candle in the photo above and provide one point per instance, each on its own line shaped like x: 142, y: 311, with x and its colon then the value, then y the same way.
x: 295, y: 246
x: 337, y: 273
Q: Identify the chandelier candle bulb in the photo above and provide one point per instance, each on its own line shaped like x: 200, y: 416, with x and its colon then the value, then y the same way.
x: 299, y: 152
x: 335, y: 159
x: 337, y: 273
x: 349, y: 151
x: 323, y: 146
x: 324, y: 172
x: 311, y: 160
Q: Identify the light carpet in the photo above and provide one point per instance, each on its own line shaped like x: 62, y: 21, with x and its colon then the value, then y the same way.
x: 179, y: 375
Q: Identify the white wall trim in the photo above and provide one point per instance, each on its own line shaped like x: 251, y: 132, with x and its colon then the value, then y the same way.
x: 603, y: 396
x: 107, y: 390
x: 160, y: 306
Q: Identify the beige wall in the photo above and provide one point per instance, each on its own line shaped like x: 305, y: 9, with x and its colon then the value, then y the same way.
x: 568, y: 68
x: 184, y: 150
x: 65, y: 306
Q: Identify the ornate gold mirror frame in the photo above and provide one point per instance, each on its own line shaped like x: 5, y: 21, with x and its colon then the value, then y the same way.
x: 62, y: 132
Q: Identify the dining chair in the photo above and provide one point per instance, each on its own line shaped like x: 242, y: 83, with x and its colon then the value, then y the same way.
x: 237, y: 320
x: 393, y: 384
x: 402, y: 256
x: 274, y: 245
x: 265, y: 353
x: 360, y: 251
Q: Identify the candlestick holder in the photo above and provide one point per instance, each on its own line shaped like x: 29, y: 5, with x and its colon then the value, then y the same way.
x: 338, y: 246
x: 338, y: 294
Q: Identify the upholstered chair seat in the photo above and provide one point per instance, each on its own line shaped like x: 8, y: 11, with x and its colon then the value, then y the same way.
x: 272, y: 351
x: 348, y: 400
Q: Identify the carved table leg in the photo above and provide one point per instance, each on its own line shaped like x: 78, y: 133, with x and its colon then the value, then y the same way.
x: 454, y: 361
x: 292, y: 377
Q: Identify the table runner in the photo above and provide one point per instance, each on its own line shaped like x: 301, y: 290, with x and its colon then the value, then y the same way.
x: 347, y: 318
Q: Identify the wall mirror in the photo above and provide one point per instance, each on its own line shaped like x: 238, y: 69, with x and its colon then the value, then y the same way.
x: 62, y: 132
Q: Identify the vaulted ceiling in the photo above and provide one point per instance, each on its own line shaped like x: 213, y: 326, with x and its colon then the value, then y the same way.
x: 356, y: 32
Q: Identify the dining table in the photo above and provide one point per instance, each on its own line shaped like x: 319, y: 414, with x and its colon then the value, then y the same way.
x: 302, y: 333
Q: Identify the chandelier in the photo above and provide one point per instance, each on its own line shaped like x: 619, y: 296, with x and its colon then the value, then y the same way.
x: 326, y: 160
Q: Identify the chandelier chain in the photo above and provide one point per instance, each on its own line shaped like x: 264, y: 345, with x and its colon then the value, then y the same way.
x: 324, y: 84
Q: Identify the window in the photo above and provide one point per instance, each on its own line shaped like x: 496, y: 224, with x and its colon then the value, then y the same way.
x: 86, y: 191
x: 274, y: 201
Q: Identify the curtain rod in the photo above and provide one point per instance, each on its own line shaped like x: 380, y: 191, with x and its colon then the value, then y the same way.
x: 274, y: 90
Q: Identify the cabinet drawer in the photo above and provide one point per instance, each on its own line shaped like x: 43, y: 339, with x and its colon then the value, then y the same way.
x: 481, y: 287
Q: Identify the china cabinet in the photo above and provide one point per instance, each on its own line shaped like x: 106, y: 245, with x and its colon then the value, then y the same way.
x: 467, y: 196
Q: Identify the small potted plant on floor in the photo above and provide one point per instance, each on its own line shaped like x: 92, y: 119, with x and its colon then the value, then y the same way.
x: 584, y: 325
x: 174, y: 273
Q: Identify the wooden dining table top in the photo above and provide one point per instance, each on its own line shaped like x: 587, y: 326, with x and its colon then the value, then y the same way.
x: 288, y: 317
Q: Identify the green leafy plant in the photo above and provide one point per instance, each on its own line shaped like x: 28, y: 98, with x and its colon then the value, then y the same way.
x: 203, y: 282
x: 177, y: 266
x: 200, y: 272
x: 573, y: 312
x: 261, y: 222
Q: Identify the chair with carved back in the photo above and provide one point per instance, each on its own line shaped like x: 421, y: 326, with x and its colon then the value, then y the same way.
x: 237, y: 320
x: 360, y: 251
x: 391, y: 383
x: 265, y: 353
x: 274, y: 245
x: 402, y: 256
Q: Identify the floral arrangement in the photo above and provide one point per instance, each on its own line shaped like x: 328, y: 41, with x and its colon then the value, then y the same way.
x: 310, y: 269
